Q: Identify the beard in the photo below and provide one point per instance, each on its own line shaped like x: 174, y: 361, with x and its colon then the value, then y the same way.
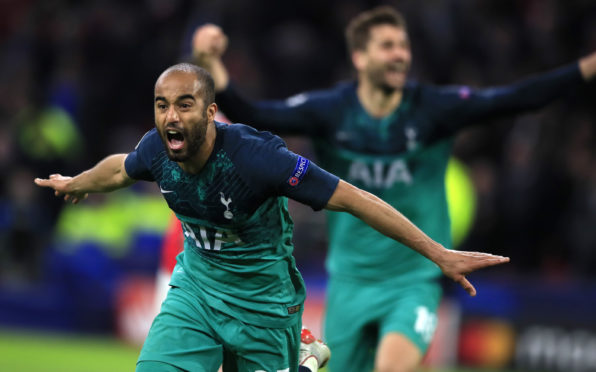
x: 194, y: 137
x: 377, y: 76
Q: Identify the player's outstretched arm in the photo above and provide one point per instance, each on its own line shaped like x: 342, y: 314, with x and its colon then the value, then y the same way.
x: 587, y: 67
x: 108, y: 175
x: 460, y: 107
x: 208, y: 45
x: 388, y: 221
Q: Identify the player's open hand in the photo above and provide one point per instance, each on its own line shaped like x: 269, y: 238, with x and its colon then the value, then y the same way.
x: 209, y: 41
x: 457, y: 264
x: 62, y: 186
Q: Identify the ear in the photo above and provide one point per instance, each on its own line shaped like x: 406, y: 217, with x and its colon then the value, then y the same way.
x: 211, y: 111
x: 359, y: 59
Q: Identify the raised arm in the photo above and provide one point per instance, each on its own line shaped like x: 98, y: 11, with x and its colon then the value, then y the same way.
x: 108, y: 175
x: 457, y: 107
x: 208, y: 45
x: 388, y: 221
x: 304, y: 114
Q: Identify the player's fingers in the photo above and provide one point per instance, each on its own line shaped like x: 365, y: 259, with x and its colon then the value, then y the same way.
x: 66, y: 197
x: 482, y: 262
x: 486, y: 258
x: 477, y: 254
x: 219, y: 44
x: 205, y: 35
x: 206, y: 27
x: 466, y: 285
x: 41, y: 182
x: 197, y: 40
x: 485, y: 255
x: 212, y: 30
x: 479, y: 260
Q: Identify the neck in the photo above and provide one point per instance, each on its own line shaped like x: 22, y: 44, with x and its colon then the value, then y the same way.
x: 377, y: 101
x: 198, y: 161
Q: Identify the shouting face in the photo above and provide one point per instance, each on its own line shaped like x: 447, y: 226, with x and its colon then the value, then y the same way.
x: 386, y: 59
x: 181, y: 117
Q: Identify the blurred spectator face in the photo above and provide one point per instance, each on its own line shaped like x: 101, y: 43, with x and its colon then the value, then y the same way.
x: 386, y: 59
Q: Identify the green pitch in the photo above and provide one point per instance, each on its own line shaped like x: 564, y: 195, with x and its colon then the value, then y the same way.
x: 33, y: 352
x: 36, y: 352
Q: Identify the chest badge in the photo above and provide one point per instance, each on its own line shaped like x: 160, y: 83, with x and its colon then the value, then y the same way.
x: 411, y: 142
x: 226, y: 202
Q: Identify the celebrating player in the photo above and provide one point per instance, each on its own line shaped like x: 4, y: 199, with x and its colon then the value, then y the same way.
x: 236, y: 295
x: 392, y: 138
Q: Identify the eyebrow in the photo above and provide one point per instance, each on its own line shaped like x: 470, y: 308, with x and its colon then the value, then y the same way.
x: 180, y: 98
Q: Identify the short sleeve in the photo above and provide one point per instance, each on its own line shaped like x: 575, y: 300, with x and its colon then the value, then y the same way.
x: 138, y: 162
x: 279, y: 171
x: 306, y: 182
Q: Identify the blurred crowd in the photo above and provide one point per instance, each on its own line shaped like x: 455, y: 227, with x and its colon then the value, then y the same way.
x: 76, y: 84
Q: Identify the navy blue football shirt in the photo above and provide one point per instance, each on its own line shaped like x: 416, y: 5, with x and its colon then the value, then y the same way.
x: 238, y: 247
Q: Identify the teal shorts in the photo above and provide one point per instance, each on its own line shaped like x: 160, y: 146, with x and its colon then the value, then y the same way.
x: 359, y: 314
x: 190, y: 336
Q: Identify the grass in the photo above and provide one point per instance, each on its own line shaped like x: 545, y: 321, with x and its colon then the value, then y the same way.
x: 37, y: 352
x: 33, y: 352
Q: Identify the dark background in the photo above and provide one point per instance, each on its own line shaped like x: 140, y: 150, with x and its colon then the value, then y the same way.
x: 98, y: 60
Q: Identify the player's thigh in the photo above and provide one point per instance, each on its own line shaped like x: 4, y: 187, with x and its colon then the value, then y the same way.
x: 396, y: 353
x: 181, y: 336
x: 351, y: 325
x: 253, y: 348
x: 410, y: 325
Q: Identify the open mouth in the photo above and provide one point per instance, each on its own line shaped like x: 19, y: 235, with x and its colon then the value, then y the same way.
x: 396, y: 69
x: 395, y: 74
x: 399, y: 67
x: 175, y: 139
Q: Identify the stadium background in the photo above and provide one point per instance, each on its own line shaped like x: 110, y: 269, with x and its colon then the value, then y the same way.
x: 76, y: 84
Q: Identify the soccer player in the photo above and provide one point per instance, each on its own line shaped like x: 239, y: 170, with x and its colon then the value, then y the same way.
x: 236, y: 295
x: 392, y: 138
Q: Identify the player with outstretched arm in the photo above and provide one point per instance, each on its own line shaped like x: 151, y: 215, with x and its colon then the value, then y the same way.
x: 392, y: 137
x: 236, y: 295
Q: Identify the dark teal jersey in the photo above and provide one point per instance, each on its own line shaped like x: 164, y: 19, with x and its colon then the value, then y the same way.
x: 237, y: 254
x: 402, y: 158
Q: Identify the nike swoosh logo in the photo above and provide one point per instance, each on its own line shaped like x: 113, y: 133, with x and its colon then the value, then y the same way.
x: 165, y: 191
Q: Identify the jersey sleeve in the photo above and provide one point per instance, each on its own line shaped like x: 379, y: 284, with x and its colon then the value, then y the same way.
x: 303, y: 114
x: 138, y: 162
x: 460, y: 106
x: 304, y: 181
x: 278, y: 171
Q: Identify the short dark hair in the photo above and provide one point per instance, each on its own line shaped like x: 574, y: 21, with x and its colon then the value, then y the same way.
x: 358, y: 30
x: 207, y: 89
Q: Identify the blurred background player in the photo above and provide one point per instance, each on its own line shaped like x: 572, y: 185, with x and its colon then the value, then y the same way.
x: 393, y: 138
x: 236, y: 294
